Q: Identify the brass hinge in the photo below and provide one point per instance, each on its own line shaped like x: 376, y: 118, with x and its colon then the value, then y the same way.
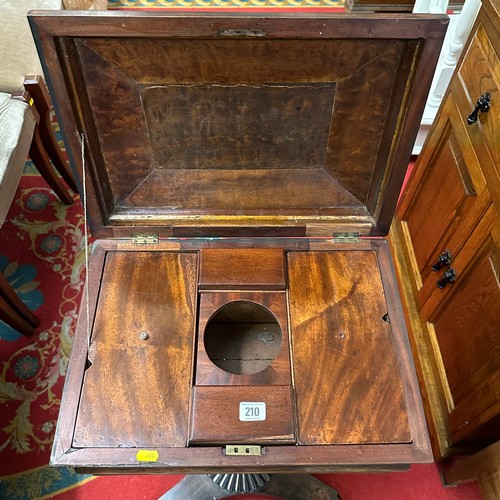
x: 347, y: 238
x: 239, y: 32
x: 145, y: 239
x: 243, y: 450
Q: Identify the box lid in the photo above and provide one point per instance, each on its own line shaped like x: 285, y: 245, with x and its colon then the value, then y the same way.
x: 207, y: 125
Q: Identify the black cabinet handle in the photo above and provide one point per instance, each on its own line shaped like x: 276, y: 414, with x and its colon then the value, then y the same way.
x: 482, y: 104
x: 448, y: 277
x: 443, y: 260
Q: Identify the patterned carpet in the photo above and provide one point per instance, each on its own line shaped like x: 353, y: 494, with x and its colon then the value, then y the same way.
x: 309, y: 5
x: 42, y: 257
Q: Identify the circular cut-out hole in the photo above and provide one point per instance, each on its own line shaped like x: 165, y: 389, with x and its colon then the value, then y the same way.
x: 242, y: 338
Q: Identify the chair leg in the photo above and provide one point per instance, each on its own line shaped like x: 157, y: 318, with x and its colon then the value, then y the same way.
x: 38, y: 91
x: 12, y: 299
x: 10, y: 316
x: 42, y: 163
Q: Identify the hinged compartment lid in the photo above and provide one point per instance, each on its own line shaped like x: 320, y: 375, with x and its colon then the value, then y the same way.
x: 207, y: 125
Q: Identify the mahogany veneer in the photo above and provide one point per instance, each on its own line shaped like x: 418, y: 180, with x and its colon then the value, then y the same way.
x: 242, y: 269
x: 350, y: 388
x: 217, y: 412
x: 268, y: 339
x: 154, y: 293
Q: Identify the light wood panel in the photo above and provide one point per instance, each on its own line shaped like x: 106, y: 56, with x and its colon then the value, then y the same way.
x: 136, y: 391
x: 452, y: 203
x: 347, y: 378
x: 216, y: 411
x: 243, y: 268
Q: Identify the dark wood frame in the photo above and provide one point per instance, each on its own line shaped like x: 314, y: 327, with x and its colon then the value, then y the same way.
x: 14, y: 311
x: 35, y: 85
x: 43, y: 149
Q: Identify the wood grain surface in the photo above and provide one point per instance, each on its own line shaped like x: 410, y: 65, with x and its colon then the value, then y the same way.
x: 363, y: 68
x: 347, y: 376
x: 242, y: 126
x: 479, y: 73
x: 261, y: 344
x: 447, y: 218
x: 136, y: 391
x: 215, y: 415
x: 242, y: 268
x: 187, y: 138
x: 210, y: 458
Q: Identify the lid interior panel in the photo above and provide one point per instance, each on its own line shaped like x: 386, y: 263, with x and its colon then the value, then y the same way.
x: 291, y: 129
x: 252, y: 116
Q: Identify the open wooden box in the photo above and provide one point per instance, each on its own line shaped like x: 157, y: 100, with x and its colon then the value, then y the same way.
x: 235, y: 167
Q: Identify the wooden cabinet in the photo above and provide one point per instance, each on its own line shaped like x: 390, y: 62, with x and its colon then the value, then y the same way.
x: 452, y: 204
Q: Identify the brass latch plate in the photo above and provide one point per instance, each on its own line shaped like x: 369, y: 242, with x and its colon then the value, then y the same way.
x: 145, y: 239
x: 243, y: 450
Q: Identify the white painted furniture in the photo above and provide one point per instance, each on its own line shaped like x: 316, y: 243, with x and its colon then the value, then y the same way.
x: 458, y: 32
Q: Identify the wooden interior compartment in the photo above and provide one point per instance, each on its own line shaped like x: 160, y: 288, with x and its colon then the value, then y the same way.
x: 243, y: 339
x: 136, y: 391
x: 183, y: 126
x: 247, y: 268
x: 115, y: 458
x: 253, y: 124
x: 215, y: 415
x: 348, y: 371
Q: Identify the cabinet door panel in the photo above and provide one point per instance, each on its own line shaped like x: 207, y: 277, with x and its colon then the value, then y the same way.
x: 480, y: 73
x: 467, y: 328
x: 452, y: 202
x: 429, y: 224
x: 447, y: 201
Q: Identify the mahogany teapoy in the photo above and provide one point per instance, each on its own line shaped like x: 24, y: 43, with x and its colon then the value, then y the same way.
x: 237, y: 171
